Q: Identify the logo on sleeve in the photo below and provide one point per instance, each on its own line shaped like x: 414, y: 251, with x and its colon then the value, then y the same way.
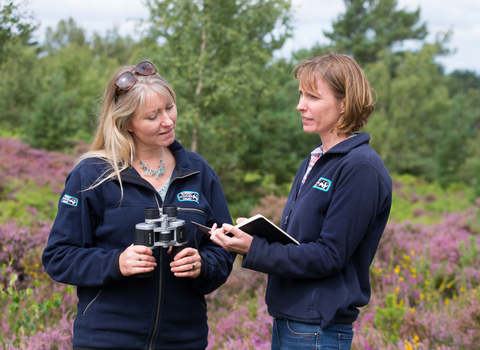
x: 70, y: 200
x: 323, y: 184
x: 188, y: 196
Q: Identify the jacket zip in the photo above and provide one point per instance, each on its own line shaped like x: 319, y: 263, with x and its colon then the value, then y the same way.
x: 191, y: 209
x: 157, y: 318
x: 297, y: 194
x: 93, y: 300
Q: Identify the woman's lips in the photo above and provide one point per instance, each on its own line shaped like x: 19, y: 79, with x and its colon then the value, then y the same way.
x: 167, y: 132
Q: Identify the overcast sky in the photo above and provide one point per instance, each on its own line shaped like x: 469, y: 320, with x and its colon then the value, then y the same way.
x: 312, y: 17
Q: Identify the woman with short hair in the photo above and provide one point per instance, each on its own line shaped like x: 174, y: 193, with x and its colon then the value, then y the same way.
x: 337, y: 210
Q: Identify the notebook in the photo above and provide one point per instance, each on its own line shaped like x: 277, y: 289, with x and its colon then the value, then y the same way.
x: 260, y: 226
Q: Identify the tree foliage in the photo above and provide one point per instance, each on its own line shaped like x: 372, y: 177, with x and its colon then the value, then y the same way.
x: 67, y: 33
x: 237, y: 103
x: 216, y: 53
x: 15, y: 26
x: 370, y: 26
x: 418, y: 127
x: 51, y: 92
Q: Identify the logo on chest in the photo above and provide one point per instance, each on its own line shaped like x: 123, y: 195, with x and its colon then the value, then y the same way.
x: 188, y: 196
x: 70, y: 200
x: 322, y: 184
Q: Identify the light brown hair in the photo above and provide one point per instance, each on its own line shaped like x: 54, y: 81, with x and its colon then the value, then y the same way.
x: 346, y: 80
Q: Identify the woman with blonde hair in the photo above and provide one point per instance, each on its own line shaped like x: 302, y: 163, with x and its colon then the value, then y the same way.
x: 337, y: 210
x: 136, y: 163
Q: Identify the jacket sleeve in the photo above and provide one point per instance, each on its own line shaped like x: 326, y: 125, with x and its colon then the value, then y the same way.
x: 217, y: 263
x: 71, y: 256
x: 360, y: 197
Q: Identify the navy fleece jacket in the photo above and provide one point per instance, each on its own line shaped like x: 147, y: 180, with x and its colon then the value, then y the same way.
x: 94, y: 226
x: 338, y: 217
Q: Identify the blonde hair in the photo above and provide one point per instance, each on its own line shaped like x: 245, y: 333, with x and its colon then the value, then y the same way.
x: 346, y: 80
x: 113, y: 142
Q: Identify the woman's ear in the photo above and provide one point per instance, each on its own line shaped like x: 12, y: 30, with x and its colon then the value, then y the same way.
x: 342, y: 106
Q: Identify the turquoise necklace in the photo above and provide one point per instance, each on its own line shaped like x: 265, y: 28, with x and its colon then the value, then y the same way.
x: 147, y: 171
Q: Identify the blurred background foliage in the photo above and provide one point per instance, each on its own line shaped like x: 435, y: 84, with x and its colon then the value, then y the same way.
x: 236, y: 101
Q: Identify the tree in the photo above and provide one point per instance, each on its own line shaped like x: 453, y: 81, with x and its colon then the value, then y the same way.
x: 19, y: 75
x: 463, y: 80
x: 55, y: 117
x: 369, y: 26
x: 214, y: 52
x: 113, y: 45
x: 14, y: 26
x: 412, y: 113
x: 457, y: 127
x: 66, y: 33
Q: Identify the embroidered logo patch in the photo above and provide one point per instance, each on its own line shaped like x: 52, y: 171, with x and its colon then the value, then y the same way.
x: 188, y: 196
x: 323, y: 184
x: 70, y: 200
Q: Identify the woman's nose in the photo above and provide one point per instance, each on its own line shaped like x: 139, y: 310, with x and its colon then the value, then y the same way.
x: 301, y: 105
x: 166, y: 120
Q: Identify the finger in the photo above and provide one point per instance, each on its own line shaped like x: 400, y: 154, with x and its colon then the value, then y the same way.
x: 218, y: 237
x: 233, y: 230
x: 143, y: 258
x: 144, y: 251
x: 135, y: 253
x: 139, y: 249
x: 239, y: 243
x: 240, y: 220
x: 185, y: 252
x: 133, y: 263
x: 191, y: 270
x: 138, y: 270
x: 182, y: 267
x: 186, y: 260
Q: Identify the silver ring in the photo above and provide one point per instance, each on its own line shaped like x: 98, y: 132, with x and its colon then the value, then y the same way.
x: 193, y: 266
x: 139, y: 258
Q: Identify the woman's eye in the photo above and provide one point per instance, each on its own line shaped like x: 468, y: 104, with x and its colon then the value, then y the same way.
x: 152, y: 117
x: 169, y: 107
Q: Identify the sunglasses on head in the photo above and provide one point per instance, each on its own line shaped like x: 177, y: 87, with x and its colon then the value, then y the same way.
x: 127, y: 80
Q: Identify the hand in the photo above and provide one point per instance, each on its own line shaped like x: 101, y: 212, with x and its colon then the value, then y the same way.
x: 187, y: 263
x: 239, y: 243
x: 136, y: 259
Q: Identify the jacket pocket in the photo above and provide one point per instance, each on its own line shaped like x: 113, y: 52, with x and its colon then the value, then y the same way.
x: 92, y: 301
x: 313, y: 294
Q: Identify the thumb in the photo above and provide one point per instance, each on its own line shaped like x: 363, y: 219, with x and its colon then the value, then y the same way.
x: 240, y: 220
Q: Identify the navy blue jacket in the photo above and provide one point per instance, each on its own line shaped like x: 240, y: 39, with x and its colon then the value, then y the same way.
x: 338, y: 218
x: 94, y: 226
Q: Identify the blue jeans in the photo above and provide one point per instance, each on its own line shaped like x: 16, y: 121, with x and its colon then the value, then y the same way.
x: 291, y: 335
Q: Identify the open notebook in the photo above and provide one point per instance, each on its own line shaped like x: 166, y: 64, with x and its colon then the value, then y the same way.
x: 260, y: 226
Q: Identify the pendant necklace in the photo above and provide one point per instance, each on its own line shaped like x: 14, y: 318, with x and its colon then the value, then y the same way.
x: 149, y: 172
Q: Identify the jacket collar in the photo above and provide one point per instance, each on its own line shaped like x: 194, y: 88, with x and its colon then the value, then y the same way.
x: 181, y: 158
x: 350, y: 143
